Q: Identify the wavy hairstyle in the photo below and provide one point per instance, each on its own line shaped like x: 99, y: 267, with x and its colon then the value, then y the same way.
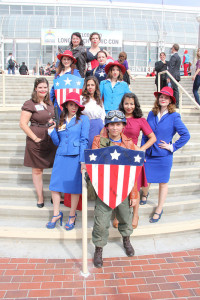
x: 79, y: 36
x: 94, y: 33
x: 34, y: 93
x: 61, y: 67
x: 122, y: 57
x: 109, y: 76
x: 65, y: 112
x: 156, y: 108
x: 97, y: 94
x: 137, y: 113
x: 198, y: 55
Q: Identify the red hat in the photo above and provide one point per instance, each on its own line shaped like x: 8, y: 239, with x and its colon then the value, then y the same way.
x: 185, y: 52
x: 166, y: 91
x: 67, y: 53
x: 114, y: 63
x: 74, y: 97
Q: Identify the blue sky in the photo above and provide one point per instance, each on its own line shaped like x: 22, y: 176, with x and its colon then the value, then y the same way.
x: 195, y: 3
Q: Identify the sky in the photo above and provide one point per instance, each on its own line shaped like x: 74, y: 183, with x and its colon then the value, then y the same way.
x: 195, y: 3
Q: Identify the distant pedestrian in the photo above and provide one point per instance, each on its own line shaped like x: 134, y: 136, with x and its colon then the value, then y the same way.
x: 10, y: 60
x: 186, y: 60
x: 196, y: 78
x: 23, y: 70
x: 161, y: 66
x: 174, y: 70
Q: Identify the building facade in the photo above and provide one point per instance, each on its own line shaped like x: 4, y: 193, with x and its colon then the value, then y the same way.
x: 146, y: 29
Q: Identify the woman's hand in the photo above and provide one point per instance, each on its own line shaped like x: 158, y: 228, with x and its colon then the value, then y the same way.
x: 193, y: 78
x: 138, y: 148
x: 132, y: 202
x: 83, y: 167
x: 164, y: 145
x: 37, y: 140
x: 54, y: 124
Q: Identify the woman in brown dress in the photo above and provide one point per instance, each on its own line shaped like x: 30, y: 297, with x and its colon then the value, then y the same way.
x: 40, y: 150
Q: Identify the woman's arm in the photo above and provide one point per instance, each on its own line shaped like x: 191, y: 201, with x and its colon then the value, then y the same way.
x: 24, y: 120
x: 197, y: 71
x: 151, y: 140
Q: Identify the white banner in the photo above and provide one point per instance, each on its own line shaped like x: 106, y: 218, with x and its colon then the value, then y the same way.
x: 63, y: 37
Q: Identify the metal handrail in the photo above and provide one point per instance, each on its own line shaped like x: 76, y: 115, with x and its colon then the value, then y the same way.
x: 180, y: 87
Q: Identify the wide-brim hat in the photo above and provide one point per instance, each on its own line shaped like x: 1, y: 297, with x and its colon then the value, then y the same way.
x: 67, y: 53
x: 114, y: 63
x: 74, y: 97
x: 166, y: 91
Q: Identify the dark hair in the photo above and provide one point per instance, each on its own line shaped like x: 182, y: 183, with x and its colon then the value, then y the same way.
x: 97, y: 94
x: 124, y: 55
x: 156, y: 108
x: 120, y: 77
x: 34, y: 93
x: 94, y: 33
x: 79, y: 36
x: 10, y: 53
x: 101, y: 51
x: 65, y: 112
x: 162, y: 53
x: 176, y: 47
x: 137, y: 113
x: 61, y: 67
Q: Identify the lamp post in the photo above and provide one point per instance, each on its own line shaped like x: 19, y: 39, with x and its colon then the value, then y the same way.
x: 198, y: 20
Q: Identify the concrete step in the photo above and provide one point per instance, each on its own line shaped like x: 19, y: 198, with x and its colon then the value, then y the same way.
x: 35, y: 229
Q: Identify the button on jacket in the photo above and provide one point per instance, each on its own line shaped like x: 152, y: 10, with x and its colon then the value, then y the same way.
x: 74, y: 139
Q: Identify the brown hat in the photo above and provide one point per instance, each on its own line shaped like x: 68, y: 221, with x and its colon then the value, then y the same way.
x: 67, y: 53
x: 115, y: 63
x: 166, y: 91
x: 74, y: 97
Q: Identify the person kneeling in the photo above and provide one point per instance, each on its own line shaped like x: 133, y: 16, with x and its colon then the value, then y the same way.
x: 112, y: 135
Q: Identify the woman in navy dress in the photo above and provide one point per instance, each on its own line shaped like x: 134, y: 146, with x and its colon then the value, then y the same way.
x: 71, y: 139
x: 94, y: 109
x: 66, y: 66
x: 165, y: 123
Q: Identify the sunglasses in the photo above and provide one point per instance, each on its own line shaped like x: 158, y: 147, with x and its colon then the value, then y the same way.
x: 115, y: 113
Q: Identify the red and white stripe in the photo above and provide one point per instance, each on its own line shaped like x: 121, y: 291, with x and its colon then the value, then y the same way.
x: 112, y: 183
x: 62, y: 93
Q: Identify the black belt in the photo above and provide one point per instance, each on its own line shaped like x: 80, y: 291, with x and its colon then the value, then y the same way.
x: 40, y: 125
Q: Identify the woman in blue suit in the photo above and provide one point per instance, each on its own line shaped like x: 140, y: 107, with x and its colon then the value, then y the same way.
x: 113, y: 88
x: 71, y: 139
x: 165, y: 123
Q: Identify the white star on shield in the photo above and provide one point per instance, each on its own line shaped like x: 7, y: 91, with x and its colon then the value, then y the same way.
x: 67, y: 81
x: 57, y: 84
x: 92, y: 157
x: 78, y: 82
x: 101, y: 74
x: 115, y: 155
x: 137, y: 158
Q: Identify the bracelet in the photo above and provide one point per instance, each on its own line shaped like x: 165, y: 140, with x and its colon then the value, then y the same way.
x: 35, y: 139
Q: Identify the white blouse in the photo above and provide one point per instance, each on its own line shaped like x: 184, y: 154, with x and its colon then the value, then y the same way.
x: 93, y: 110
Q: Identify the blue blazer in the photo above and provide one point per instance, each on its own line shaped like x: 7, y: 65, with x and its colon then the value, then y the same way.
x: 74, y: 139
x: 164, y: 130
x: 113, y: 96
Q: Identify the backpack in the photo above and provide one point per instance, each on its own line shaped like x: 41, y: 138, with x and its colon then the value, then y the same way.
x: 11, y: 63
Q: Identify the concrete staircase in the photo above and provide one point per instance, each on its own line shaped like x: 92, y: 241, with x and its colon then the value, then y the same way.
x: 21, y: 219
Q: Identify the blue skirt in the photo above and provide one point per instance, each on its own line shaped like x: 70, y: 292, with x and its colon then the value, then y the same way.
x: 158, y: 168
x: 66, y: 175
x: 95, y: 128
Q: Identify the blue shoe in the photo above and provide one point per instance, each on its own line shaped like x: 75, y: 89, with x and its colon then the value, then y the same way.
x: 51, y: 225
x: 152, y: 220
x: 71, y: 226
x: 143, y: 202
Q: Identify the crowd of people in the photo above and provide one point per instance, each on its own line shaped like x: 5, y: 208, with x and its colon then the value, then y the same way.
x: 107, y: 113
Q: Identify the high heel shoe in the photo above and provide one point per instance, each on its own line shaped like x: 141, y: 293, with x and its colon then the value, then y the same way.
x: 152, y: 220
x: 69, y: 226
x: 51, y: 225
x: 143, y: 202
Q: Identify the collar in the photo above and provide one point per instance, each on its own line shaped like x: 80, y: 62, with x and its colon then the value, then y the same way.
x: 164, y: 113
x: 67, y: 120
x: 110, y: 80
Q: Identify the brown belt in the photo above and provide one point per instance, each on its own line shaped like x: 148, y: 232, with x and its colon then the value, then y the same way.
x: 40, y: 125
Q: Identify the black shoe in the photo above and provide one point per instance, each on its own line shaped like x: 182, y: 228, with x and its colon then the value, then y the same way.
x: 40, y: 205
x: 98, y: 261
x: 127, y: 246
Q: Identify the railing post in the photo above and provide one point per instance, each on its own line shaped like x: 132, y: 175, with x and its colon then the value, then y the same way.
x: 85, y: 272
x: 180, y: 101
x: 159, y: 82
x: 3, y: 90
